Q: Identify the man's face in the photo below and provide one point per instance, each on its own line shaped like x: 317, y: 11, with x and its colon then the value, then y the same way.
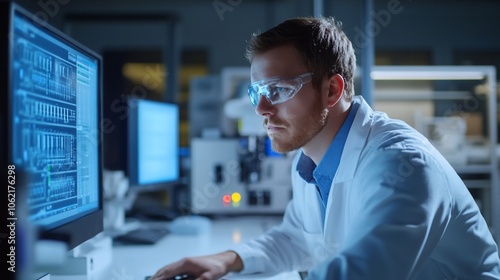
x: 293, y: 123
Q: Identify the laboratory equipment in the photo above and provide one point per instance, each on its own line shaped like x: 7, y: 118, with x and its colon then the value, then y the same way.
x: 238, y: 176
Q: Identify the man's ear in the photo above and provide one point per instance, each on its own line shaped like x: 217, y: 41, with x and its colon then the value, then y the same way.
x: 335, y: 89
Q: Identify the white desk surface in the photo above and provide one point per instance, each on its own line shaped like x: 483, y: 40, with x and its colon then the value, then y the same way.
x: 135, y: 262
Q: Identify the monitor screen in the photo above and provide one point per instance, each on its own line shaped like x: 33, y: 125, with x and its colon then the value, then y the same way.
x: 153, y: 135
x: 53, y: 105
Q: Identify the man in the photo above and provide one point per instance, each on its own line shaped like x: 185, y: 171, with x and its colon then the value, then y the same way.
x: 372, y: 198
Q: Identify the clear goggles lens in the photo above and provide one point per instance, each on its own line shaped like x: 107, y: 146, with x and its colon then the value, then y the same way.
x: 277, y: 90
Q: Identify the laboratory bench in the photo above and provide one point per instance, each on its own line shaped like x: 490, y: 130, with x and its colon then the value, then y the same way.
x: 136, y: 262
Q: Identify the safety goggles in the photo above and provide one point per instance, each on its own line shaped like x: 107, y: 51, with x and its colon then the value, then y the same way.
x: 277, y: 90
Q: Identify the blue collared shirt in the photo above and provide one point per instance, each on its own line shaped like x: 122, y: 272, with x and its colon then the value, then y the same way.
x: 323, y: 174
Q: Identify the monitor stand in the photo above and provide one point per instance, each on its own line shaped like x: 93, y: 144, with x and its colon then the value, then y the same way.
x: 87, y: 261
x: 90, y: 260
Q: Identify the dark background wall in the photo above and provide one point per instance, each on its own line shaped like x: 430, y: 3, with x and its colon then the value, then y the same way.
x: 445, y: 28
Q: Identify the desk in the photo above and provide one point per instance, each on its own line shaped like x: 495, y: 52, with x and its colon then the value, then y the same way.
x: 134, y: 262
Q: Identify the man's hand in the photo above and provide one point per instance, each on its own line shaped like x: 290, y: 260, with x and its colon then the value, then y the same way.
x: 209, y: 267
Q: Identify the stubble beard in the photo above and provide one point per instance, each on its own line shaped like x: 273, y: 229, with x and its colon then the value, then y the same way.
x: 302, y: 131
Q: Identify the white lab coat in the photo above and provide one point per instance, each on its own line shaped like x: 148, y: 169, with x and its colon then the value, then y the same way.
x: 396, y: 210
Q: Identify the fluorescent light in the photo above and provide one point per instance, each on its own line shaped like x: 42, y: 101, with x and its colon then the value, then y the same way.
x: 427, y: 75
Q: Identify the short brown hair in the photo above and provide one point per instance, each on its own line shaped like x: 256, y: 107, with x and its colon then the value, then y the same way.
x: 325, y: 48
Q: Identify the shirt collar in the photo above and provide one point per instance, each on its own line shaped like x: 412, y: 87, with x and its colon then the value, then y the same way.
x: 323, y: 174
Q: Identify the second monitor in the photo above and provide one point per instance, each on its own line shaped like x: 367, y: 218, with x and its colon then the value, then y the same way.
x: 153, y: 165
x: 153, y: 144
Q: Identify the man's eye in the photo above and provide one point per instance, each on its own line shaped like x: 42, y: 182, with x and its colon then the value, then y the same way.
x: 280, y: 90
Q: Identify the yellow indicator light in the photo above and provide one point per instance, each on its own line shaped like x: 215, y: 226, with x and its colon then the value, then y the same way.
x: 236, y: 197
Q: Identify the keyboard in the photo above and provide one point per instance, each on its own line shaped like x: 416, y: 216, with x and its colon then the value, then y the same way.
x: 145, y: 236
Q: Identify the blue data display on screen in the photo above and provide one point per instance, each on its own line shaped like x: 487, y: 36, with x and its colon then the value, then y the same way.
x: 55, y: 91
x: 158, y: 142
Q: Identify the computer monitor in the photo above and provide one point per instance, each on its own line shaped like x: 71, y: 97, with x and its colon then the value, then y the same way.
x: 49, y: 118
x: 153, y: 144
